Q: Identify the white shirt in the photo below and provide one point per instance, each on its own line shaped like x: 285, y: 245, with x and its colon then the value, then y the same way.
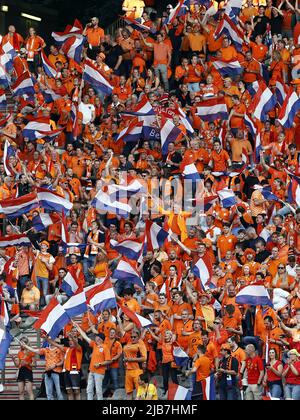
x: 87, y: 112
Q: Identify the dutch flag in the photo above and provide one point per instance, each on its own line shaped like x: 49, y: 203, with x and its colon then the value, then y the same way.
x: 179, y: 393
x: 127, y: 271
x: 23, y: 86
x: 289, y: 109
x: 15, y: 207
x: 227, y: 197
x: 93, y: 76
x: 51, y: 201
x: 254, y: 295
x: 53, y: 319
x: 169, y: 133
x: 76, y: 305
x: 130, y: 248
x: 213, y: 109
x: 137, y: 319
x: 101, y: 296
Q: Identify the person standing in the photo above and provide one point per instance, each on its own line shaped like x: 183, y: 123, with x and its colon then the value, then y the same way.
x: 255, y: 371
x: 99, y: 360
x: 228, y: 375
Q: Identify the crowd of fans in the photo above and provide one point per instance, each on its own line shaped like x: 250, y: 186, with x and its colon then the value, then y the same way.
x: 253, y: 351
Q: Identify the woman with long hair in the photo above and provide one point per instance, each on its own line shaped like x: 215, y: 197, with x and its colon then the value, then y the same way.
x: 273, y: 375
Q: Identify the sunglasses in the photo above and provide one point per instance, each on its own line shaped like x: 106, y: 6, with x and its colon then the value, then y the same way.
x: 281, y: 268
x: 134, y: 336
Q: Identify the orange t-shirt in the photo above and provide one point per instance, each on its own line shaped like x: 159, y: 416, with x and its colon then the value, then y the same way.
x: 100, y: 354
x: 203, y: 368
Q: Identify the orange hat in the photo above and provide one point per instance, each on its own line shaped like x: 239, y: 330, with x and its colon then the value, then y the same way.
x: 207, y: 242
x: 45, y: 243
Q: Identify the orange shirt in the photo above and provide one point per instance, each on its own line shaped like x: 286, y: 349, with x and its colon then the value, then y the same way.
x: 131, y: 351
x: 194, y: 340
x: 220, y: 160
x: 94, y: 36
x: 115, y: 349
x: 203, y: 368
x: 105, y: 327
x: 100, y: 354
x: 226, y: 243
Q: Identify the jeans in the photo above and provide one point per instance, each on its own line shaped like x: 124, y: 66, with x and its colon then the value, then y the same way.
x: 167, y: 370
x: 95, y: 380
x: 162, y: 70
x: 43, y: 285
x: 228, y: 394
x: 292, y: 391
x: 49, y: 383
x: 194, y: 87
x: 21, y: 285
x: 88, y: 263
x: 111, y: 379
x: 275, y: 390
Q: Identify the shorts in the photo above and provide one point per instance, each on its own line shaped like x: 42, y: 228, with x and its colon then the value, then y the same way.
x: 72, y: 380
x: 25, y: 375
x: 132, y: 380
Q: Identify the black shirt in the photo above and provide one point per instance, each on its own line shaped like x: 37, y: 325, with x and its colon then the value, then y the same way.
x: 226, y: 380
x: 147, y: 276
x: 113, y: 55
x: 262, y: 256
x: 276, y: 24
x: 261, y: 25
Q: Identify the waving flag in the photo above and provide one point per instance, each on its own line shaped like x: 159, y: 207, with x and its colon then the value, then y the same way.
x: 185, y: 121
x: 203, y: 270
x: 174, y: 13
x: 126, y: 271
x: 23, y: 86
x: 212, y: 109
x: 4, y: 78
x: 142, y: 109
x: 156, y: 235
x: 180, y: 356
x: 289, y: 109
x: 255, y: 295
x: 103, y: 202
x: 7, y: 62
x: 34, y: 128
x: 75, y: 120
x: 178, y: 393
x: 227, y: 27
x: 3, y: 101
x: 253, y: 88
x: 294, y: 189
x: 53, y: 319
x: 251, y: 125
x: 48, y: 67
x: 130, y: 248
x: 43, y: 221
x: 281, y: 91
x: 73, y: 48
x: 70, y: 283
x: 7, y: 153
x: 69, y: 31
x: 76, y: 305
x: 135, y: 24
x: 51, y: 201
x: 132, y: 133
x: 233, y: 9
x: 64, y: 228
x: 120, y: 191
x: 209, y: 388
x: 50, y: 96
x: 5, y: 342
x: 14, y: 240
x: 227, y: 197
x: 93, y: 76
x: 15, y: 207
x: 268, y: 195
x: 101, y: 296
x: 137, y: 319
x: 169, y: 133
x: 230, y: 68
x: 263, y: 102
x: 191, y: 172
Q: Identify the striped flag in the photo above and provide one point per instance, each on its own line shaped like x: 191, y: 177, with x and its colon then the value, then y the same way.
x: 94, y: 77
x: 101, y: 296
x: 177, y: 392
x: 127, y: 271
x: 209, y: 388
x: 138, y: 320
x: 53, y: 319
x: 15, y: 207
x: 255, y: 295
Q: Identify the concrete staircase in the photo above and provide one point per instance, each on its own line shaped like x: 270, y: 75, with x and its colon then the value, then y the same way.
x: 11, y: 372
